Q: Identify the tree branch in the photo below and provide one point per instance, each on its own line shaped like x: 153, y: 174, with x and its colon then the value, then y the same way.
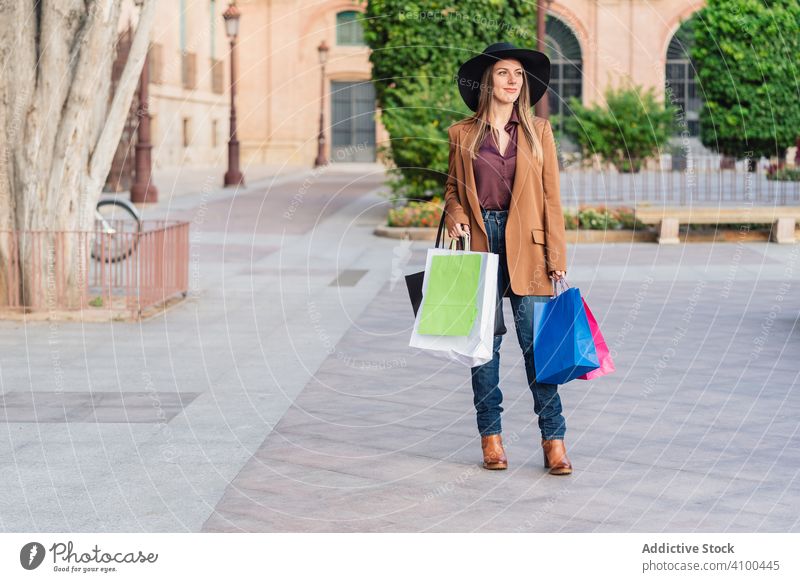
x: 103, y: 152
x: 90, y: 60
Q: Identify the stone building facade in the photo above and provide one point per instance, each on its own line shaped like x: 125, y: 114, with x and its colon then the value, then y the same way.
x: 592, y: 43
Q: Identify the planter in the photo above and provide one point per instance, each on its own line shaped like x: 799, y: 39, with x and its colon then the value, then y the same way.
x: 409, y: 232
x: 610, y: 236
x: 584, y: 236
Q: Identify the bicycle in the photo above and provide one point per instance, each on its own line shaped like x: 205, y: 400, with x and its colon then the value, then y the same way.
x: 117, y: 228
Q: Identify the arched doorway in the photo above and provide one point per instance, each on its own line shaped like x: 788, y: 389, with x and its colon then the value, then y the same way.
x: 680, y: 87
x: 566, y: 69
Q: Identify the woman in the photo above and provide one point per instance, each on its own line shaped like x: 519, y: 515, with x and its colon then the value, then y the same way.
x: 503, y: 190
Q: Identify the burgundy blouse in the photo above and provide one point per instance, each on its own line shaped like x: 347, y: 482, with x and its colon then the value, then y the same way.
x: 494, y: 173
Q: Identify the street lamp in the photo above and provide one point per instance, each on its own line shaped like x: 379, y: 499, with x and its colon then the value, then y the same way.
x: 233, y: 177
x: 322, y: 49
x: 142, y: 189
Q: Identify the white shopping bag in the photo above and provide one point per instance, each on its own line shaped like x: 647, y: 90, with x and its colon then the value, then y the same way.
x: 476, y: 348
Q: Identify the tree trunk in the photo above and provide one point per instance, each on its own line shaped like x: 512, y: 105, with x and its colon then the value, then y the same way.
x: 58, y: 134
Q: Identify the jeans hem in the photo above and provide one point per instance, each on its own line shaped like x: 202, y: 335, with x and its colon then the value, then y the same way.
x: 490, y: 433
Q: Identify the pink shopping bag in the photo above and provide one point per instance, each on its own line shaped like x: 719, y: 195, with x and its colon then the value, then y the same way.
x: 603, y: 356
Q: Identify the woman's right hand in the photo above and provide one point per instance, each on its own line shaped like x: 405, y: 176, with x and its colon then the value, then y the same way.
x: 458, y: 230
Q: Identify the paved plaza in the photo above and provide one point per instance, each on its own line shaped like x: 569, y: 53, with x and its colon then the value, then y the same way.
x: 282, y: 396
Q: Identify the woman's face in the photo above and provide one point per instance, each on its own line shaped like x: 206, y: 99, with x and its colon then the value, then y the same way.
x: 507, y: 78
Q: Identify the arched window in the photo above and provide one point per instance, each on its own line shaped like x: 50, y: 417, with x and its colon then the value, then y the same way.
x: 680, y: 86
x: 348, y: 29
x: 566, y: 67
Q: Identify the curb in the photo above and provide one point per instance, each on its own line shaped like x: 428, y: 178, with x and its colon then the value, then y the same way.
x: 593, y: 236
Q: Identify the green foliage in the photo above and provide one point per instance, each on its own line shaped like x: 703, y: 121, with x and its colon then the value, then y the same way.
x: 416, y: 51
x: 631, y: 127
x: 570, y: 220
x: 428, y: 214
x: 626, y: 218
x: 592, y: 219
x: 601, y: 218
x: 748, y: 58
x: 783, y: 174
x: 417, y: 214
x: 96, y: 302
x: 418, y: 148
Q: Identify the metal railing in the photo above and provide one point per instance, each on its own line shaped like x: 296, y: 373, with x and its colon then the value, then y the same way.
x: 662, y: 182
x: 127, y: 270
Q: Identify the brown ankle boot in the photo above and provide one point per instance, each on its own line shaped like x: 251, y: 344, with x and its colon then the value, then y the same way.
x: 494, y: 456
x: 555, y: 457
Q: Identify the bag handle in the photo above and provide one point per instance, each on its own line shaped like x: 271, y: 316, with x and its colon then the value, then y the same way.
x: 557, y: 284
x: 440, y: 232
x: 440, y: 237
x: 463, y: 240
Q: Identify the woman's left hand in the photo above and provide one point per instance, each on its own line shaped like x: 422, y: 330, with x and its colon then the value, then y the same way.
x: 557, y: 275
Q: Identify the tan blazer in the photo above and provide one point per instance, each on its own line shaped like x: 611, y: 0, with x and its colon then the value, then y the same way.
x: 535, y: 237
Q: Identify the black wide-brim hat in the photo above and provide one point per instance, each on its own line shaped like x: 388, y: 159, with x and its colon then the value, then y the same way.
x: 535, y: 64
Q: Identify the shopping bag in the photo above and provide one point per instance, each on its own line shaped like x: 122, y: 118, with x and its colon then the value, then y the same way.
x: 476, y: 348
x: 563, y: 347
x: 449, y: 303
x: 603, y: 354
x: 414, y: 286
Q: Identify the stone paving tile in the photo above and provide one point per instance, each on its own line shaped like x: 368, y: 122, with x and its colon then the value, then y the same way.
x: 696, y: 444
x: 70, y: 407
x: 309, y: 202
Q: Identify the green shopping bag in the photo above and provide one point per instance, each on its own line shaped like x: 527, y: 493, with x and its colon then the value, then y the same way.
x: 450, y: 303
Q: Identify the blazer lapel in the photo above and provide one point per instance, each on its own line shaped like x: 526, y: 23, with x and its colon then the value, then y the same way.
x: 523, y: 164
x: 472, y: 194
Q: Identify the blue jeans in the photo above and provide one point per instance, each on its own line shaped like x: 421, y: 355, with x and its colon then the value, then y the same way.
x: 486, y: 378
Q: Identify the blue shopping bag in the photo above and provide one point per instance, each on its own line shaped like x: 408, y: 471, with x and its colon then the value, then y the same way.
x: 563, y: 346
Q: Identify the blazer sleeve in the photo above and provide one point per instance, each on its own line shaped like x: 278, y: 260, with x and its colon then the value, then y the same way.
x: 555, y: 235
x: 453, y: 211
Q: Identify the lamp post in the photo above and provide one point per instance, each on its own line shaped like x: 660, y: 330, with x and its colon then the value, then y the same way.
x: 322, y: 49
x: 142, y: 189
x: 233, y: 177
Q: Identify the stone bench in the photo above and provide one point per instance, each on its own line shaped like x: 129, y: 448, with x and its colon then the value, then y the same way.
x: 669, y: 219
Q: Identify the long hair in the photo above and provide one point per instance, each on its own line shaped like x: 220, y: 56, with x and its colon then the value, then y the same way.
x: 481, y: 117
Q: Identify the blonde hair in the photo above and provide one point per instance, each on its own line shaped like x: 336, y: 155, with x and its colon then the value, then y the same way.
x: 481, y: 117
